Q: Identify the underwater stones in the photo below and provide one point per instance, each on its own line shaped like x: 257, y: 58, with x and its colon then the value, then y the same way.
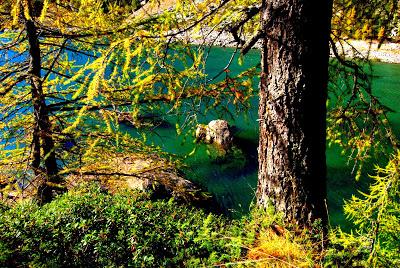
x: 142, y: 121
x: 125, y: 118
x: 216, y: 132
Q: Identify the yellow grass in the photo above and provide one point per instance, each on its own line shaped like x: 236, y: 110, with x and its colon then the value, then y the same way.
x: 273, y: 250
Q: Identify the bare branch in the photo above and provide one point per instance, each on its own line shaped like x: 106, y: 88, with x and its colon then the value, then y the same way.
x: 55, y: 60
x: 249, y: 13
x: 15, y: 42
x: 251, y: 42
x: 213, y: 11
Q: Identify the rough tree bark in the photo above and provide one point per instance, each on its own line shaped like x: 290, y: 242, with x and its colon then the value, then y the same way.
x: 292, y: 110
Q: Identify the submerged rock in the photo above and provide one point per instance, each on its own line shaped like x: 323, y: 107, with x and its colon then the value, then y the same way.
x: 216, y: 132
x: 125, y: 118
x: 141, y: 121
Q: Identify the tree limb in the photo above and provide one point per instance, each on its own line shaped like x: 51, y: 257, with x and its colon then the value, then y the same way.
x: 251, y: 42
x: 55, y: 60
x: 249, y: 13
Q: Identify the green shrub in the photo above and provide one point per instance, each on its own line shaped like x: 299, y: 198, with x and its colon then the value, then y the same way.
x: 93, y: 228
x: 376, y: 214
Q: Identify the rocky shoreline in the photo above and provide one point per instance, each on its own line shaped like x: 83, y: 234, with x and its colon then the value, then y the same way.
x: 388, y: 52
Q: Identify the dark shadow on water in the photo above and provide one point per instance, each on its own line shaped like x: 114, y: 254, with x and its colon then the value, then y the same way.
x: 342, y: 186
x: 231, y: 176
x: 249, y: 149
x: 149, y: 122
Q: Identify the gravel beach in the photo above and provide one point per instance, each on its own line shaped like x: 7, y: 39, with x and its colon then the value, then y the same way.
x: 387, y: 52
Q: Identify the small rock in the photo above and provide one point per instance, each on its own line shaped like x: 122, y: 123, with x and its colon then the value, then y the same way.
x: 216, y: 132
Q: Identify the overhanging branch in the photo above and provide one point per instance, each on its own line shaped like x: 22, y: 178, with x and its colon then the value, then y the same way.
x: 251, y: 42
x: 249, y: 13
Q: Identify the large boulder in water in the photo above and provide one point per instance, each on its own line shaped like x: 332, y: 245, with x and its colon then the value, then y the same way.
x: 216, y: 132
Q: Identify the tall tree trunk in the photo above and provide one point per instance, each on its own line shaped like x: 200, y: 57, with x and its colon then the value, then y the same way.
x: 42, y: 138
x: 292, y: 109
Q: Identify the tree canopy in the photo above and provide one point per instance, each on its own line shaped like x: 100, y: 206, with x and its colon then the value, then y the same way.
x: 71, y: 71
x: 98, y: 61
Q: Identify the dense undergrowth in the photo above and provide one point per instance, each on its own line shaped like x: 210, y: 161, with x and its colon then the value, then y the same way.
x: 90, y: 227
x: 376, y: 213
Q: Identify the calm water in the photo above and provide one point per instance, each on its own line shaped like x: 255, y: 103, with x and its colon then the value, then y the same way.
x: 233, y: 178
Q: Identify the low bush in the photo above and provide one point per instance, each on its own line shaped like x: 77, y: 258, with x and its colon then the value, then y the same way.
x: 376, y: 215
x: 90, y: 227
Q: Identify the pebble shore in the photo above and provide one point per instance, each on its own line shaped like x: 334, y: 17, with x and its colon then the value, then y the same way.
x: 387, y: 52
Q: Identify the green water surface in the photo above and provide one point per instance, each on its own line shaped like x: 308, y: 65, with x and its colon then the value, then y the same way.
x: 233, y: 178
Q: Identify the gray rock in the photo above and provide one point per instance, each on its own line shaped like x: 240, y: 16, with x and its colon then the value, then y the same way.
x: 216, y: 132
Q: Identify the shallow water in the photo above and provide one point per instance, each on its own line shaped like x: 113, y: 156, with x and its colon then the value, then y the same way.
x: 232, y: 179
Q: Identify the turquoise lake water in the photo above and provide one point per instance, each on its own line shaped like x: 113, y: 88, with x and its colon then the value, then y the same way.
x: 232, y: 179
